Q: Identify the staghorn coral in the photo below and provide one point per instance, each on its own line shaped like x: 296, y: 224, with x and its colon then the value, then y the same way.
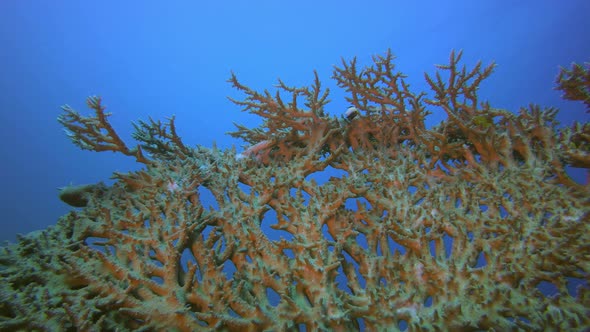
x: 451, y: 228
x: 575, y: 83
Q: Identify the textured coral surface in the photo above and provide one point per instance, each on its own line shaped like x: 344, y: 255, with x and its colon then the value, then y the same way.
x: 452, y: 228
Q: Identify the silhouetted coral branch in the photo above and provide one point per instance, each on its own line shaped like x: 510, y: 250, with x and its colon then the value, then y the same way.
x: 160, y: 140
x: 575, y: 83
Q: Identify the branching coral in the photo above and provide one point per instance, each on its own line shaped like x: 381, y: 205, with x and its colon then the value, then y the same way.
x: 575, y: 83
x: 457, y: 227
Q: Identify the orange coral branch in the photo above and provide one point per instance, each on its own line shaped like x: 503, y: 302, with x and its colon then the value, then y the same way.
x: 575, y: 83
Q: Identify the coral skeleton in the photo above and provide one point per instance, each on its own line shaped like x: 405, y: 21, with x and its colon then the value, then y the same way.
x: 367, y: 220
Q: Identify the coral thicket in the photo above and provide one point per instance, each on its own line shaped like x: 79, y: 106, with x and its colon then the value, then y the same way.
x: 367, y: 221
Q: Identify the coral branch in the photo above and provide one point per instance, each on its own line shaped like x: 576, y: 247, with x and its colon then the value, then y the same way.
x: 575, y: 83
x: 97, y: 134
x: 159, y: 139
x: 92, y: 133
x: 287, y: 129
x: 392, y: 113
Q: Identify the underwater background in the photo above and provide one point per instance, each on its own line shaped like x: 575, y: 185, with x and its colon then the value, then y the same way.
x: 157, y: 59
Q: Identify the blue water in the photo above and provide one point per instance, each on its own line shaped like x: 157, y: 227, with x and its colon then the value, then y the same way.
x: 155, y: 58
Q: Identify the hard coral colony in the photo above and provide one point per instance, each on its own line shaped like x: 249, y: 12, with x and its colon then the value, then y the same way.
x: 454, y: 228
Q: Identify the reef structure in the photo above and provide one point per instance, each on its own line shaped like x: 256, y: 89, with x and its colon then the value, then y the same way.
x: 458, y: 227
